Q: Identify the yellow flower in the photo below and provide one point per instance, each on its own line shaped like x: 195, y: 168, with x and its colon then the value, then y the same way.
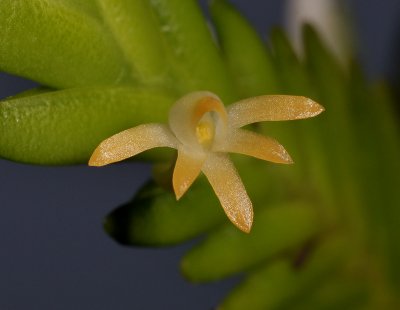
x: 204, y: 131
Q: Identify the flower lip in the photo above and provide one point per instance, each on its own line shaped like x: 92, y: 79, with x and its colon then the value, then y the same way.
x: 198, y: 120
x: 208, y: 104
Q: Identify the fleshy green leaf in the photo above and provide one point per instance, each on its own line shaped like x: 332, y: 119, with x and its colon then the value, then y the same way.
x: 331, y: 82
x: 340, y: 293
x: 303, y: 139
x: 30, y: 92
x: 282, y: 284
x: 64, y: 127
x: 291, y: 73
x: 228, y: 251
x: 135, y: 28
x: 245, y: 53
x: 194, y: 58
x: 383, y: 108
x: 55, y: 44
x: 88, y: 6
x: 154, y: 217
x: 380, y: 146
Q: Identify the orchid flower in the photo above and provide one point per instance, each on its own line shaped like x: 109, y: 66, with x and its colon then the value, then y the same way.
x: 204, y: 131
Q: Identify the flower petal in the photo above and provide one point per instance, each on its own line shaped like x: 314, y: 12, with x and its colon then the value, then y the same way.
x: 272, y: 108
x: 229, y: 189
x: 187, y: 169
x: 252, y: 144
x: 131, y: 142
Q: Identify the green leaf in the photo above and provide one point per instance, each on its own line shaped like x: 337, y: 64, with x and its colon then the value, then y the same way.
x: 194, y: 58
x: 55, y: 44
x: 229, y: 251
x: 383, y: 107
x: 155, y: 218
x: 282, y: 284
x: 30, y: 92
x: 135, y: 28
x: 64, y: 127
x: 303, y: 139
x: 87, y: 6
x: 332, y: 84
x: 380, y: 146
x: 291, y: 73
x: 340, y: 293
x: 244, y: 51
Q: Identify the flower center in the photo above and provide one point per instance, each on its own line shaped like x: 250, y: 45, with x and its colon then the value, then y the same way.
x: 205, y: 132
x: 198, y: 121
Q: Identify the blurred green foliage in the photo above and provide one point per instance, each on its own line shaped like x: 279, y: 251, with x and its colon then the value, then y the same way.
x: 326, y: 231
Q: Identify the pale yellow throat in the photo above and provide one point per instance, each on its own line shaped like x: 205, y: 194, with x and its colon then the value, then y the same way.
x: 205, y: 132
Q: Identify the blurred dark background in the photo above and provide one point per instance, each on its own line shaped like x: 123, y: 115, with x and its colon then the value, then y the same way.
x: 54, y: 253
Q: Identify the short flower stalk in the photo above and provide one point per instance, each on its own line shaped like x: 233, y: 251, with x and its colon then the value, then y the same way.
x: 204, y: 131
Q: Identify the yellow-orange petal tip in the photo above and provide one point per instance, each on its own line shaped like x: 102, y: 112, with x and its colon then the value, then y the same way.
x: 245, y: 229
x: 244, y: 223
x: 179, y: 188
x: 96, y: 159
x: 178, y: 195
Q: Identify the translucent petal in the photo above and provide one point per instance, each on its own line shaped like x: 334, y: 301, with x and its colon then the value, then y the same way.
x: 229, y: 189
x: 272, y: 108
x: 186, y: 113
x: 252, y: 144
x: 131, y: 142
x: 187, y: 169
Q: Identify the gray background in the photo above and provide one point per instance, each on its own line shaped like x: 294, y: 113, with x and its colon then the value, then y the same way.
x: 53, y: 251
